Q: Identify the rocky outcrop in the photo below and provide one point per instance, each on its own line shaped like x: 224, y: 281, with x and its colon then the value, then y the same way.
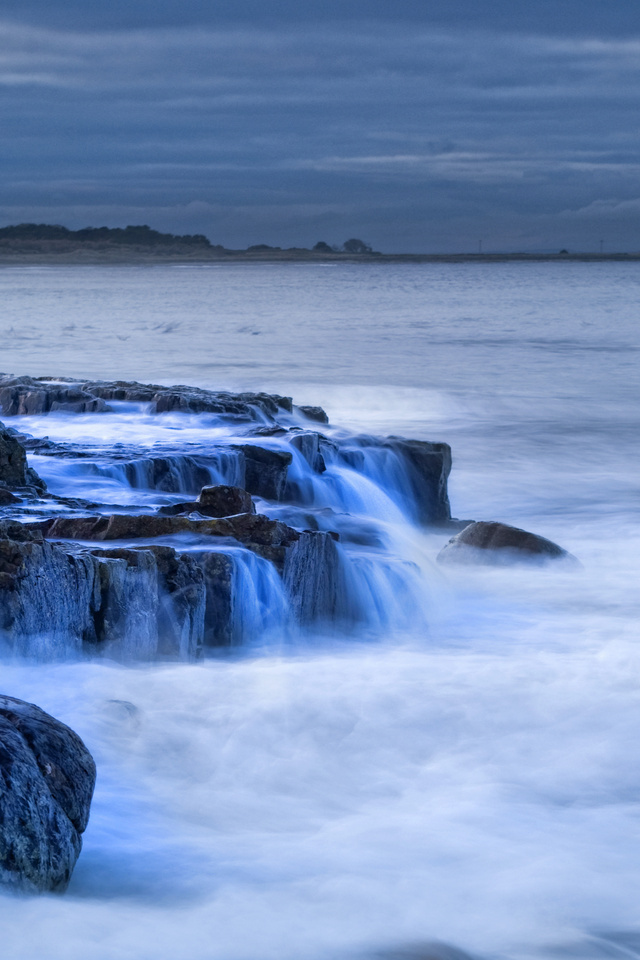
x: 141, y: 602
x: 60, y: 601
x: 47, y: 777
x: 221, y: 500
x: 37, y: 395
x: 14, y: 471
x: 493, y: 543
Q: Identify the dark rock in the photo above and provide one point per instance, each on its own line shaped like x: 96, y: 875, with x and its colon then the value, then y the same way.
x: 14, y: 471
x: 490, y: 542
x: 26, y: 395
x: 217, y: 569
x: 265, y: 471
x: 314, y: 413
x: 255, y: 531
x: 132, y: 603
x: 6, y: 497
x: 218, y: 501
x: 47, y: 777
x: 35, y: 395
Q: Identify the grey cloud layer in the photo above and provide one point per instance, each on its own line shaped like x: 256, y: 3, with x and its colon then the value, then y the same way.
x: 415, y: 137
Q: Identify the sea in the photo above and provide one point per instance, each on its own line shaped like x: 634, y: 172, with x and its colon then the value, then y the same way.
x: 464, y: 783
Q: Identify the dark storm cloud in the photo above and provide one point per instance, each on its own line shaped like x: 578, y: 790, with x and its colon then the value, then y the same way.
x: 415, y: 135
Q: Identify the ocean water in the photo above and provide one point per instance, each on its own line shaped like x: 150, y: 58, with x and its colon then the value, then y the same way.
x: 469, y: 784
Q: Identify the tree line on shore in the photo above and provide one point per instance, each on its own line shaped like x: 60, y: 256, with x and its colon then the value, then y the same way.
x: 143, y: 235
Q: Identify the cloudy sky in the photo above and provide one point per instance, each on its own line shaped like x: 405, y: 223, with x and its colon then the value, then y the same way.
x: 418, y: 125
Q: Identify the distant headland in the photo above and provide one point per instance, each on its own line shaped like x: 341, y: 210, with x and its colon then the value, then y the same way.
x: 33, y: 243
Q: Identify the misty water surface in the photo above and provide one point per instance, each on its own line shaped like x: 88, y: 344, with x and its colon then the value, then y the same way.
x: 476, y: 782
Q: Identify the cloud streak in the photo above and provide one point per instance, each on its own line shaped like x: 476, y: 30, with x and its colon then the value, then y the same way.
x: 457, y: 132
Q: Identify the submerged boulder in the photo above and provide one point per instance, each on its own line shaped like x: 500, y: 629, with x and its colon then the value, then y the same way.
x: 47, y: 777
x: 493, y: 543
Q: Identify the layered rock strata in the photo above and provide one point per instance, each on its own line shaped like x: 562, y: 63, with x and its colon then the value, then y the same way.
x: 37, y: 395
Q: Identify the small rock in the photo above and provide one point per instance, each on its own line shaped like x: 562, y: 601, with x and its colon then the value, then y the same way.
x: 224, y: 501
x: 494, y: 543
x: 314, y: 413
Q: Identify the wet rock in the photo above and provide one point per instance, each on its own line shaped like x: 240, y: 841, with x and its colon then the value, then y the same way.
x: 314, y: 413
x: 217, y: 569
x: 37, y: 395
x: 26, y: 395
x: 265, y: 471
x: 47, y: 777
x: 493, y: 543
x: 6, y: 497
x: 46, y: 596
x: 428, y: 467
x: 221, y: 500
x: 182, y: 603
x: 309, y: 445
x: 314, y: 578
x: 255, y: 531
x: 224, y: 501
x: 130, y: 603
x: 14, y: 471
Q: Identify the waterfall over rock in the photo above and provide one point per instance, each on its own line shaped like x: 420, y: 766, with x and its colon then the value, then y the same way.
x: 176, y: 520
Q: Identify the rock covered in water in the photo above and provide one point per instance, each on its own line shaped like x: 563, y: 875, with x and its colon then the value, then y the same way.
x: 47, y: 777
x: 493, y: 543
x: 37, y: 395
x: 61, y: 601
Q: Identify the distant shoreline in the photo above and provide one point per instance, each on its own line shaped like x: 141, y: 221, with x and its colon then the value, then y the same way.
x: 22, y: 254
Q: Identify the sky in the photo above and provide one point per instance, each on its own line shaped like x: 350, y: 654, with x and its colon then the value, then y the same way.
x: 432, y: 126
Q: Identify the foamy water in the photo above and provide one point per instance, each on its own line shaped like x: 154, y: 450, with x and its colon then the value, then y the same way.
x: 474, y: 782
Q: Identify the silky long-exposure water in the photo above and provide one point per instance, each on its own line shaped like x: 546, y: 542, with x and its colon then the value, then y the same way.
x: 459, y: 773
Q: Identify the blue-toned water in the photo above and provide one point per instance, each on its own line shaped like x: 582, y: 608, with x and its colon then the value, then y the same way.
x: 461, y: 767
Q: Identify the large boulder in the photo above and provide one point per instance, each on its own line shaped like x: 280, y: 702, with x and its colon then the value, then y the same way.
x: 47, y: 777
x: 493, y: 543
